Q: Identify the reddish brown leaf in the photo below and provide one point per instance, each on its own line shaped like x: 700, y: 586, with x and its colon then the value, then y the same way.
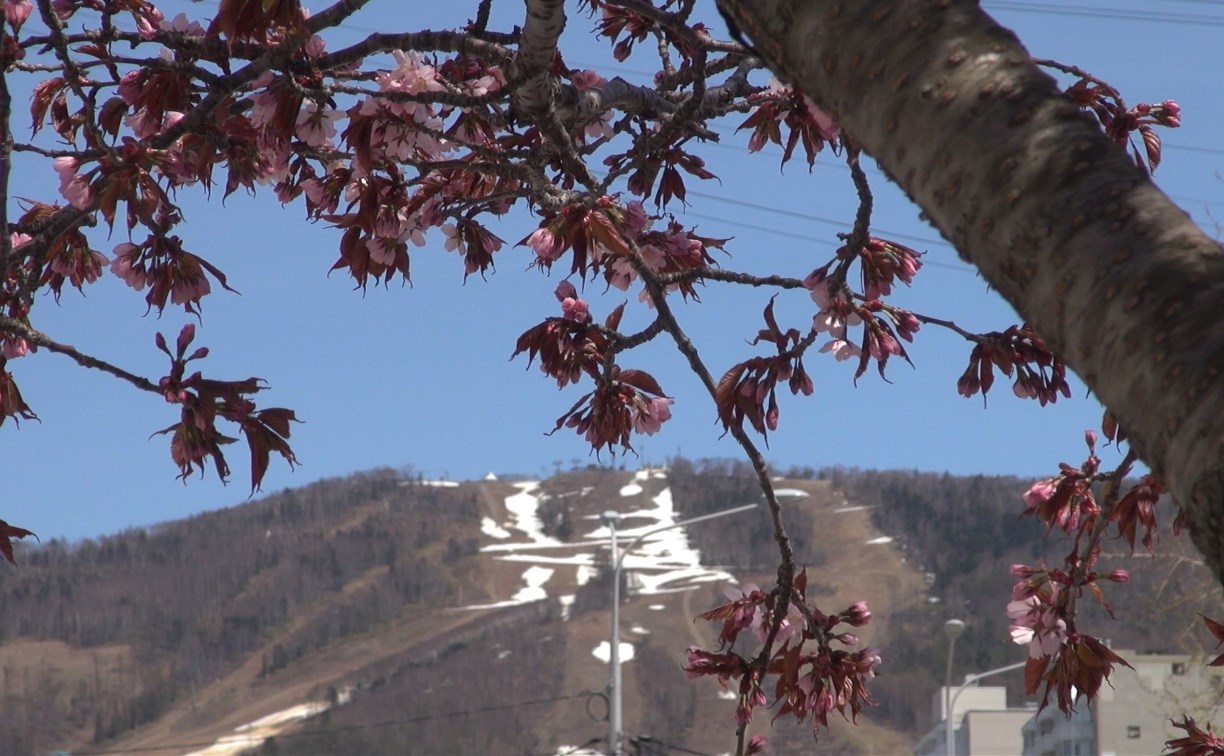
x: 7, y: 534
x: 614, y: 318
x: 1151, y: 144
x: 1099, y: 595
x: 11, y: 403
x: 1034, y: 670
x: 266, y: 433
x: 641, y: 380
x: 44, y: 94
x: 724, y: 396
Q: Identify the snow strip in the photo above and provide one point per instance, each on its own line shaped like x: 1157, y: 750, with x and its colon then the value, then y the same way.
x: 492, y: 529
x: 603, y: 651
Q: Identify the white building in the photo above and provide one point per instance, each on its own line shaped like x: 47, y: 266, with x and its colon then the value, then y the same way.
x: 1131, y: 716
x: 981, y: 720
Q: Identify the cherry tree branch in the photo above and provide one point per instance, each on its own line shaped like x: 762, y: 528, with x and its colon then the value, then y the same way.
x: 786, y: 566
x: 1086, y: 557
x: 335, y: 15
x: 862, y: 219
x: 424, y: 41
x: 72, y: 74
x: 6, y: 160
x: 16, y: 327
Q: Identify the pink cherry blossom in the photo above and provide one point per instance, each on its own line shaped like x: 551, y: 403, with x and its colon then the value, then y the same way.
x: 637, y: 220
x: 182, y: 25
x: 1037, y: 624
x: 318, y: 196
x: 825, y: 123
x: 124, y: 266
x: 73, y: 187
x: 454, y: 238
x: 842, y: 350
x: 148, y: 20
x: 382, y: 251
x: 575, y: 309
x: 881, y: 344
x: 817, y: 282
x: 13, y: 347
x: 315, y: 47
x: 857, y: 615
x: 263, y: 108
x: 600, y: 127
x: 16, y: 12
x: 587, y: 79
x: 650, y: 419
x: 316, y: 126
x: 1039, y: 493
x: 790, y: 629
x: 545, y: 243
x: 189, y: 289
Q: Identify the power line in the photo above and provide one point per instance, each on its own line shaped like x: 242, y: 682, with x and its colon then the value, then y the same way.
x: 824, y: 242
x: 1164, y: 17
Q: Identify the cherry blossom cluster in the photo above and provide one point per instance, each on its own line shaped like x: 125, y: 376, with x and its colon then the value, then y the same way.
x: 195, y: 438
x: 748, y: 390
x: 1018, y: 353
x: 806, y: 651
x: 571, y: 346
x: 1120, y: 122
x: 1197, y: 741
x: 1085, y: 503
x: 778, y: 106
x: 883, y: 325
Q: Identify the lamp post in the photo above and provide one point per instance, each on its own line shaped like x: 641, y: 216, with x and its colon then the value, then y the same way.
x: 953, y: 628
x: 610, y: 518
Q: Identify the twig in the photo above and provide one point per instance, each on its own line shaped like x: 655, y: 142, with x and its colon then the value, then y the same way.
x: 12, y: 325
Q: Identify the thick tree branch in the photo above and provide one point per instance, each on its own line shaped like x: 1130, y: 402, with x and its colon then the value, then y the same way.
x: 1058, y: 219
x: 6, y: 161
x: 426, y: 41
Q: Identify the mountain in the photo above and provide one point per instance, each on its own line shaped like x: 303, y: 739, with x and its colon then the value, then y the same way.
x: 437, y: 617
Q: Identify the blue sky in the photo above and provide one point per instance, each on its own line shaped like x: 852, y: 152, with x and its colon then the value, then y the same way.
x: 420, y: 376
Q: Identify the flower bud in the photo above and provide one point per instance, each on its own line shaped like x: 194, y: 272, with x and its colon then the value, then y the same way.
x: 857, y: 615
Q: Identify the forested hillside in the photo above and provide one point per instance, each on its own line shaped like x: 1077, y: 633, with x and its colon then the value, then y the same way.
x: 183, y: 603
x: 380, y: 591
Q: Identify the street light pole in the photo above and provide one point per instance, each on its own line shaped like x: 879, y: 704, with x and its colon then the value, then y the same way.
x: 614, y: 683
x: 953, y: 629
x: 618, y: 559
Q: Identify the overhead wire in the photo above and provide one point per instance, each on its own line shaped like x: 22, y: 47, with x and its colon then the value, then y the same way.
x: 1119, y: 14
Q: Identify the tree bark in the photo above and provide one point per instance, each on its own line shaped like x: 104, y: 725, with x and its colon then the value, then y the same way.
x: 1114, y: 276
